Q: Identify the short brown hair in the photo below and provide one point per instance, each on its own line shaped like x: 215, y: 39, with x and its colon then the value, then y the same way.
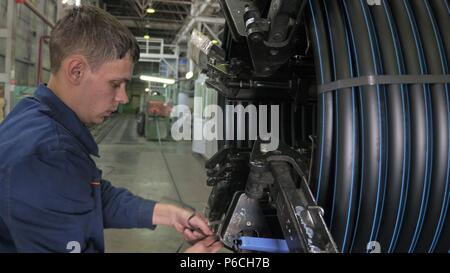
x: 93, y: 33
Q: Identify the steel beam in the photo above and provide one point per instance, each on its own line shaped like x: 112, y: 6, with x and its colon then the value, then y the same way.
x: 10, y: 54
x: 39, y: 14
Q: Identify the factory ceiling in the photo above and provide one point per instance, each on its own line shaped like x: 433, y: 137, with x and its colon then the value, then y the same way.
x: 169, y: 19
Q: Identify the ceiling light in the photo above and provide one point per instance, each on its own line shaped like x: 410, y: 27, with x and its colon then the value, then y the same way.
x: 151, y: 10
x: 147, y: 37
x: 156, y: 79
x: 189, y: 75
x: 214, y: 42
x: 71, y: 2
x: 147, y: 89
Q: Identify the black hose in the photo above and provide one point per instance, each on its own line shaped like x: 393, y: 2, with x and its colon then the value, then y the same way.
x: 371, y: 103
x: 441, y: 12
x: 436, y: 64
x: 347, y: 170
x: 397, y: 126
x: 388, y: 179
x: 322, y: 185
x: 421, y: 119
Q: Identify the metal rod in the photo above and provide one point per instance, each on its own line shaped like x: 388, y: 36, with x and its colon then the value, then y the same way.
x: 29, y: 5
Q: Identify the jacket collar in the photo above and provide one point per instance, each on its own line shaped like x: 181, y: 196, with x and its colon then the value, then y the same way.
x: 67, y: 118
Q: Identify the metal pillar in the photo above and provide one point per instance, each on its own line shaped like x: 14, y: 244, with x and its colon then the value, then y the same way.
x: 10, y: 56
x: 40, y: 31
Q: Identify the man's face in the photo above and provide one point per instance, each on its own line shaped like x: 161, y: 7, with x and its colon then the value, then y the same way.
x: 104, y: 89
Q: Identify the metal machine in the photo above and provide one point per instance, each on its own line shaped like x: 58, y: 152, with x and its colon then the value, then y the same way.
x: 154, y: 120
x: 358, y: 124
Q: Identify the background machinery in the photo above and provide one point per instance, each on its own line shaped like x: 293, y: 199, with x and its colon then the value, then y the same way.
x: 153, y: 120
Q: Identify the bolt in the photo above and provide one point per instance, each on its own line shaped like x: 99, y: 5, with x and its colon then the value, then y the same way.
x: 273, y: 52
x: 249, y: 224
x: 277, y: 36
x: 264, y: 148
x: 256, y: 37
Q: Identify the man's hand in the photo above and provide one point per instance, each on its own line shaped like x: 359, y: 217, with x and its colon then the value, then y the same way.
x: 193, y: 226
x: 210, y: 244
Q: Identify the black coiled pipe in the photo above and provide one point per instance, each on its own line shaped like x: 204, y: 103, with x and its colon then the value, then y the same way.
x: 382, y: 169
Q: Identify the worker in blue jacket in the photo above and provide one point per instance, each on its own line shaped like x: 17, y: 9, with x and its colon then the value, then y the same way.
x: 52, y: 195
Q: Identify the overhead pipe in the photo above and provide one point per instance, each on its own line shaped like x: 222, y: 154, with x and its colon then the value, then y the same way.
x: 29, y: 5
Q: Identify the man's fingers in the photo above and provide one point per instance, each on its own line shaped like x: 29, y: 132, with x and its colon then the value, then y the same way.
x: 199, y: 222
x: 215, y: 247
x: 189, y: 235
x: 207, y: 245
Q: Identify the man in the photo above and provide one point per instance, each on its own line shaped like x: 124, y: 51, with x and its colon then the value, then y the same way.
x: 52, y: 196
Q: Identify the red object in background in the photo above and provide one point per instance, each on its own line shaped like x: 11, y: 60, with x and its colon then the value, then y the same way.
x: 155, y: 108
x: 158, y: 108
x: 20, y: 1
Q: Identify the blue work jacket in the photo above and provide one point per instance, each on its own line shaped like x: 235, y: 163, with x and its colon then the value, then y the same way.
x: 52, y: 195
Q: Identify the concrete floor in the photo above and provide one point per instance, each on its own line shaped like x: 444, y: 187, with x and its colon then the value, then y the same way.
x: 162, y: 173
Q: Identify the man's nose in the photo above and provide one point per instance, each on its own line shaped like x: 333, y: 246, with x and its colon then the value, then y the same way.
x: 121, y: 96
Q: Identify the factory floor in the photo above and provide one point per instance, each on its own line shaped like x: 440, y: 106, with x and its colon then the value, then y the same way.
x: 167, y: 172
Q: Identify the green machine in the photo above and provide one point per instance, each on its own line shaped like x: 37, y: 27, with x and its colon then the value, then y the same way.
x: 154, y: 121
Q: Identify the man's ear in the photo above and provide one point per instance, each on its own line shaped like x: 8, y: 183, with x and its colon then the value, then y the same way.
x: 76, y: 68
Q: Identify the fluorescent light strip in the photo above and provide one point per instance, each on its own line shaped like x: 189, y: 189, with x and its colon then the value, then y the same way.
x: 156, y: 79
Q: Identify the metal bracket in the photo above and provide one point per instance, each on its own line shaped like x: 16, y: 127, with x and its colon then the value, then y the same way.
x: 300, y: 218
x: 244, y: 217
x: 272, y: 40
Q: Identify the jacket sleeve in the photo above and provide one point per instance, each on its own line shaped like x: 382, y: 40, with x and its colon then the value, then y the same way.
x: 122, y: 209
x: 50, y: 203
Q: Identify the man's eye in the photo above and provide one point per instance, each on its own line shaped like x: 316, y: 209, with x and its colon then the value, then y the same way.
x: 115, y: 85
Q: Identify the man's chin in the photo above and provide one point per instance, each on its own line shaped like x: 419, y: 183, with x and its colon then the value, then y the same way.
x: 95, y: 122
x: 99, y: 120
